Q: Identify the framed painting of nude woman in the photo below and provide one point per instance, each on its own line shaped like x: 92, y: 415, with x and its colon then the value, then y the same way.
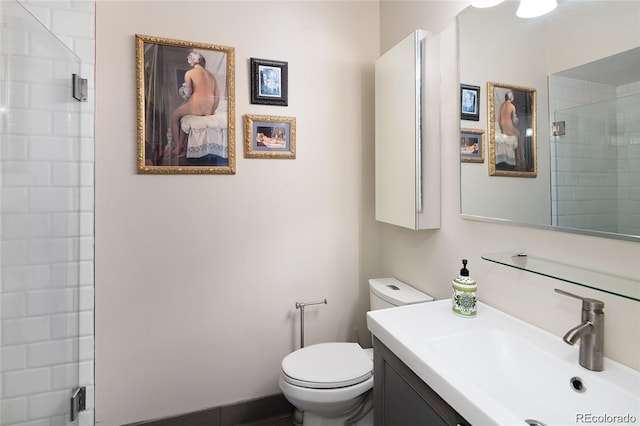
x: 269, y: 136
x: 512, y: 130
x: 185, y: 107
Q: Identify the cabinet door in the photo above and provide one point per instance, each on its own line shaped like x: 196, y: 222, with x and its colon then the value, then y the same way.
x: 407, y: 136
x: 402, y: 398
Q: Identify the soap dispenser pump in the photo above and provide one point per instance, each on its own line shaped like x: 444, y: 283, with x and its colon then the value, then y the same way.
x: 463, y: 299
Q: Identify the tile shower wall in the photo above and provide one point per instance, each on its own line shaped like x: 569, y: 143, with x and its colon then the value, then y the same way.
x: 629, y: 161
x: 595, y: 161
x: 31, y: 315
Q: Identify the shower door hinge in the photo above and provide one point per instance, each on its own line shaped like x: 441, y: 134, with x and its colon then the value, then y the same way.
x: 79, y: 87
x: 78, y: 402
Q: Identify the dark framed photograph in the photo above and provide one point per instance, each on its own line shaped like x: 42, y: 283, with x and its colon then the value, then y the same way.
x: 472, y: 145
x: 269, y: 137
x: 512, y: 130
x: 269, y: 82
x: 186, y: 116
x: 469, y: 102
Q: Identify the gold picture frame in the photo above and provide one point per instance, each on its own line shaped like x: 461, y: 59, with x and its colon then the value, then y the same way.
x: 472, y: 145
x: 512, y: 130
x: 174, y: 134
x: 269, y: 136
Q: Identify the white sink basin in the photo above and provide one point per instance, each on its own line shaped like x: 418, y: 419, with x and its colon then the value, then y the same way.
x: 497, y: 369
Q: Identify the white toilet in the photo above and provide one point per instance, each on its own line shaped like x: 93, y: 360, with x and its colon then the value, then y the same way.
x: 331, y: 383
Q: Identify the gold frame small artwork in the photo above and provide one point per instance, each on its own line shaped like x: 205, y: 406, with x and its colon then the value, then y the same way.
x: 175, y: 135
x: 472, y: 145
x: 512, y: 130
x: 269, y: 136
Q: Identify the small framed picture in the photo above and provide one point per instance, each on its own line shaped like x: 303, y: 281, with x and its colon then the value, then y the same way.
x: 269, y: 137
x: 269, y: 81
x: 469, y: 102
x: 472, y: 146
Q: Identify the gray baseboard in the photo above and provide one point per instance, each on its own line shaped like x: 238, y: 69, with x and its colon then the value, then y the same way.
x: 228, y: 415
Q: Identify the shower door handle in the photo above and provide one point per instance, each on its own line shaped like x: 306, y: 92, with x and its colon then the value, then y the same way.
x: 78, y: 402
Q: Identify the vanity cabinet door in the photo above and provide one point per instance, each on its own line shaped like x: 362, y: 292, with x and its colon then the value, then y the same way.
x: 402, y: 398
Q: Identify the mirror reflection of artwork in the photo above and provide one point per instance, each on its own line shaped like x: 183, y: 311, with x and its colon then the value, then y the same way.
x: 469, y: 102
x: 512, y: 130
x: 472, y: 146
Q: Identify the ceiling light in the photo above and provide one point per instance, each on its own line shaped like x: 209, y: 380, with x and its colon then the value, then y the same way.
x: 485, y: 3
x: 533, y: 8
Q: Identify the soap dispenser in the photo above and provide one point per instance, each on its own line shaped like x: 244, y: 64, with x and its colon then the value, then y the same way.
x: 464, y: 293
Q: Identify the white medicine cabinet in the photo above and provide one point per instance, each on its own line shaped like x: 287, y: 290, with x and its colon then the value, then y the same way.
x: 407, y: 126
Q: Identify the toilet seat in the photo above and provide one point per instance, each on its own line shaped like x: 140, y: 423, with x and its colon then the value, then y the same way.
x: 327, y: 366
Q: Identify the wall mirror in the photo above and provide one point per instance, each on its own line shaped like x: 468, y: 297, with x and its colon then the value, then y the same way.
x: 582, y: 61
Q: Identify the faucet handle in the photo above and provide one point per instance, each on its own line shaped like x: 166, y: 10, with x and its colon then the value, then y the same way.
x: 588, y: 304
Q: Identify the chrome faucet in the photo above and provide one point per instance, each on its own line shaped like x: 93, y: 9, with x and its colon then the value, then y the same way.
x: 590, y: 331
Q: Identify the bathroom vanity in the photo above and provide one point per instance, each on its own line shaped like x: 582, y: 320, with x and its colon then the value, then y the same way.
x: 433, y: 367
x: 402, y: 398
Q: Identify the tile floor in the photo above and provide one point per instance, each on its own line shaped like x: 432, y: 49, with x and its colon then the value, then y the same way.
x: 277, y: 421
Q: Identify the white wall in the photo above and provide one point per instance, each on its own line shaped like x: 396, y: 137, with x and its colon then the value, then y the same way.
x: 430, y: 259
x: 197, y: 276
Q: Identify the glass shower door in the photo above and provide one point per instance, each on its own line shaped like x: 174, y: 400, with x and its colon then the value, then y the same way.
x: 40, y: 223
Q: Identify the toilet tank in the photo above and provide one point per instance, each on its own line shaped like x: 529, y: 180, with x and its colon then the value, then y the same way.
x: 390, y: 292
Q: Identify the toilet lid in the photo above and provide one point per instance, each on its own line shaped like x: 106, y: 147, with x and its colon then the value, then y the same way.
x: 327, y: 365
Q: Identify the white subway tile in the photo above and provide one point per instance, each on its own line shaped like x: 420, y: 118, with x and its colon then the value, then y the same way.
x: 14, y: 147
x: 14, y: 200
x: 13, y: 253
x: 13, y: 357
x: 49, y: 148
x: 86, y: 323
x: 24, y: 277
x: 48, y: 405
x: 65, y: 376
x: 13, y: 410
x: 86, y: 298
x: 47, y: 302
x: 52, y: 199
x: 66, y: 224
x: 13, y: 305
x: 86, y: 248
x: 86, y: 372
x: 66, y: 174
x: 66, y: 124
x: 30, y: 122
x: 65, y: 325
x: 52, y: 250
x: 65, y: 275
x: 71, y: 23
x: 52, y: 352
x: 25, y: 330
x: 86, y: 224
x: 86, y: 347
x: 26, y: 174
x: 18, y: 383
x: 86, y: 174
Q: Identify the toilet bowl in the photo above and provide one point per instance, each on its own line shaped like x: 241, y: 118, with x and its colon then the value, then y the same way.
x: 332, y: 383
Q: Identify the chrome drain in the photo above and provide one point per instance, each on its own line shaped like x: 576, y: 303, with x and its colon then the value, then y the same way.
x: 577, y: 384
x: 532, y: 422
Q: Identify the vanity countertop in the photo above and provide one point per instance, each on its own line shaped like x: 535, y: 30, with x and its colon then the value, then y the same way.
x: 497, y: 369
